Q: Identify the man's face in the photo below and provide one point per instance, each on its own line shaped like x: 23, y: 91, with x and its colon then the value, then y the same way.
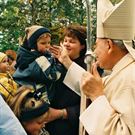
x: 101, y: 52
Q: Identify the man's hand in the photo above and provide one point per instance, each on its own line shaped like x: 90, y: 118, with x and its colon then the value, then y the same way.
x: 91, y: 83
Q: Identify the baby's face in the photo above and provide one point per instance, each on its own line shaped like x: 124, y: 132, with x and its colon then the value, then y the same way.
x: 43, y: 44
x: 33, y: 127
x: 4, y: 65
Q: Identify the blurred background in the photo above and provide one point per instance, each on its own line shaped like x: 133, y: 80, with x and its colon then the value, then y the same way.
x: 16, y: 15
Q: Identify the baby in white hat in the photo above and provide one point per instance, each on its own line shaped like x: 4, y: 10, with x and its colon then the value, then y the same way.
x: 35, y: 64
x: 7, y: 85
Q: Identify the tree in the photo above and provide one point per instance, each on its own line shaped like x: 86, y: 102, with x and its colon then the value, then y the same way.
x: 16, y: 15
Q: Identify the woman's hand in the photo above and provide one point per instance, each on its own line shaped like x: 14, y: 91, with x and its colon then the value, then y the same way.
x: 61, y: 54
x: 54, y: 114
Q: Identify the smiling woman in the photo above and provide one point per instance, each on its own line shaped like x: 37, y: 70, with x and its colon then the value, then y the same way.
x: 65, y: 99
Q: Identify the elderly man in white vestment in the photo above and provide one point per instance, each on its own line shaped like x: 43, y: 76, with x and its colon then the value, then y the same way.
x: 112, y: 111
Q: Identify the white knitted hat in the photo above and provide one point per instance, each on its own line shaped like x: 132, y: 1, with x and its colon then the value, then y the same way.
x: 30, y: 30
x: 2, y: 56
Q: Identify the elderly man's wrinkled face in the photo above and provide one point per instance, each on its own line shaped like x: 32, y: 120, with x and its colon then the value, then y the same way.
x: 101, y: 52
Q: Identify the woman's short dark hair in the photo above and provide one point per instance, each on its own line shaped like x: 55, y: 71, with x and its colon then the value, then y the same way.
x: 79, y: 32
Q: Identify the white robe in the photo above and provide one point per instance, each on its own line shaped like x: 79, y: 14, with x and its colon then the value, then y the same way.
x: 113, y: 113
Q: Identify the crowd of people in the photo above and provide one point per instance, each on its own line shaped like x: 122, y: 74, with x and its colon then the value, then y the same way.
x: 40, y: 86
x: 41, y: 75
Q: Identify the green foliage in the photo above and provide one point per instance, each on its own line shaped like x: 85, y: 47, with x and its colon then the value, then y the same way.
x: 11, y: 19
x: 115, y: 1
x: 16, y: 15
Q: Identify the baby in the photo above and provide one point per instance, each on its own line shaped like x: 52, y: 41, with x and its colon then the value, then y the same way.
x: 35, y: 64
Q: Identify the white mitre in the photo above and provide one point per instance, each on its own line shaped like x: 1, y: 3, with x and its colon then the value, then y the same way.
x: 117, y: 22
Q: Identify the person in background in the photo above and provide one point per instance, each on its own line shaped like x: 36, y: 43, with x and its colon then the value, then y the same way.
x: 113, y: 97
x: 35, y: 65
x: 11, y: 54
x: 32, y: 109
x: 9, y: 124
x: 8, y: 86
x: 66, y: 122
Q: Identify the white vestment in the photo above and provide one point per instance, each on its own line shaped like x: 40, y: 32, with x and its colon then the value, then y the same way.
x: 113, y: 113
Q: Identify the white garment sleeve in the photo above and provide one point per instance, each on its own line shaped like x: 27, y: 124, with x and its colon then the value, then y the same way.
x: 73, y: 77
x: 99, y: 110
